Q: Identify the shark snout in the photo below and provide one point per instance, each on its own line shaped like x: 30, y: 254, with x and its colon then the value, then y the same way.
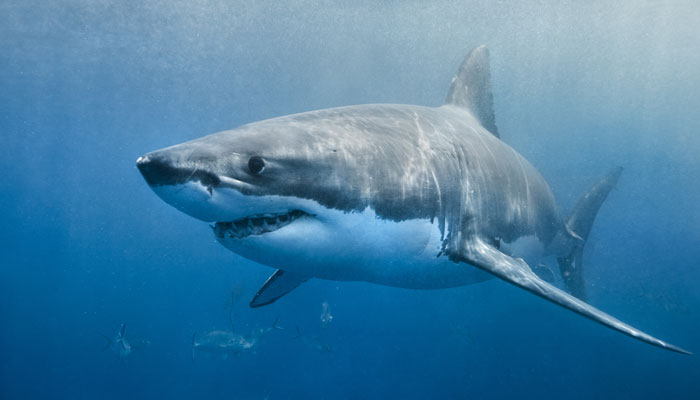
x: 158, y: 170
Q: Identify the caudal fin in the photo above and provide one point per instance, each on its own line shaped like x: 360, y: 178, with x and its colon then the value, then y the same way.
x: 579, y: 225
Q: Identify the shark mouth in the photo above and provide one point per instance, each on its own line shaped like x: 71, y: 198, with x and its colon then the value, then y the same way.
x: 258, y: 224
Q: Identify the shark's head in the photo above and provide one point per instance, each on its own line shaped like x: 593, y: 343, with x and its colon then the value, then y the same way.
x: 282, y: 184
x: 251, y: 180
x: 250, y: 175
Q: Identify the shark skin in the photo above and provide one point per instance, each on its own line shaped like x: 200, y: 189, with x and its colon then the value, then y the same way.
x: 398, y: 195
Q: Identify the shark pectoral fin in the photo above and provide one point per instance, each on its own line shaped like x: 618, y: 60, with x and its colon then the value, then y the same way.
x: 517, y: 272
x: 279, y: 284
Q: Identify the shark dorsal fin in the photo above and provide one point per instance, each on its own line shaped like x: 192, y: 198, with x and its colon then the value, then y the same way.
x: 471, y: 88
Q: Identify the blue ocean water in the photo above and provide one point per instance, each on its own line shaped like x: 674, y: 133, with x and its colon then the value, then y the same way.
x: 88, y: 86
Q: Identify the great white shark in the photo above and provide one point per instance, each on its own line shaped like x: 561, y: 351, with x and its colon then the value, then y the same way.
x: 399, y: 195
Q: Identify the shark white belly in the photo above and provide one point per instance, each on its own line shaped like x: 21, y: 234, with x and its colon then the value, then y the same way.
x: 408, y: 254
x: 399, y: 195
x: 343, y: 246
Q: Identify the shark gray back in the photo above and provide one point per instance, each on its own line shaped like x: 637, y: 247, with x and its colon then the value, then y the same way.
x: 399, y: 195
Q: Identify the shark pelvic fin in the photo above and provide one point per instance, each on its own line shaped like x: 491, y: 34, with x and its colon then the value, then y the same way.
x: 277, y: 285
x: 471, y: 88
x: 515, y: 271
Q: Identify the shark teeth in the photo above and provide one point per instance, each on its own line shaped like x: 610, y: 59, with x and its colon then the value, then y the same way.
x: 256, y: 224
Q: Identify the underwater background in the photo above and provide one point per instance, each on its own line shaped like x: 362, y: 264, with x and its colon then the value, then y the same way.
x: 87, y: 86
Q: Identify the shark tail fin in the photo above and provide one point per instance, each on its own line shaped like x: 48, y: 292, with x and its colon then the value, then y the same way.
x: 579, y: 226
x: 471, y: 88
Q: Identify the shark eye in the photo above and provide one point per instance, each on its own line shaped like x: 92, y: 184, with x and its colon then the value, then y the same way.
x: 256, y: 165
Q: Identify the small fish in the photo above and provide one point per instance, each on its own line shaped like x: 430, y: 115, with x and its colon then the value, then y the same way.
x: 229, y: 342
x: 326, y: 316
x: 119, y: 344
